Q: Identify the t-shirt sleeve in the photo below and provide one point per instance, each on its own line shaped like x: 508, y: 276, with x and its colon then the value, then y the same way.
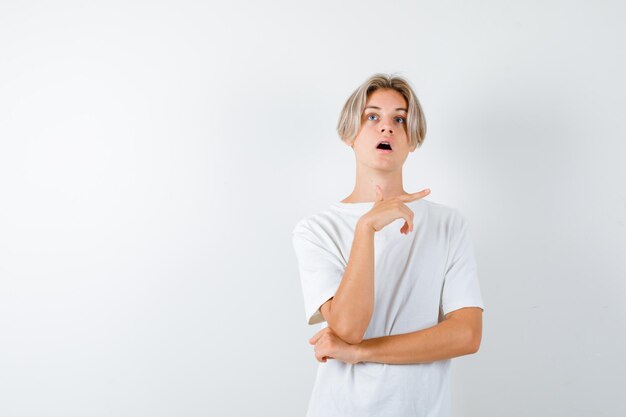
x: 460, y: 285
x: 321, y: 271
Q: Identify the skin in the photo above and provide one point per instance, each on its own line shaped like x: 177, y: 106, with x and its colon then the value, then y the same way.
x: 349, y: 311
x: 374, y: 168
x: 459, y: 334
x: 379, y: 179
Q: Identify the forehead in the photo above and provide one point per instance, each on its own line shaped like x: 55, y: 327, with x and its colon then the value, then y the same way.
x: 386, y: 99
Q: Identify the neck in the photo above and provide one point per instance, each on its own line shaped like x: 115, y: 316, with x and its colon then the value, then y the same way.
x: 367, y: 180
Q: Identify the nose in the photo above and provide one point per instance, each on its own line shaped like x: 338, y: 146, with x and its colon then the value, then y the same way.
x: 385, y: 128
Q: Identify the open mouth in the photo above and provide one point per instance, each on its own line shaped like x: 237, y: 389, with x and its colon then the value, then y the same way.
x: 384, y: 145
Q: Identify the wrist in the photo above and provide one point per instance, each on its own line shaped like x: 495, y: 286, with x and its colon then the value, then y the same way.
x: 364, y: 226
x: 359, y: 353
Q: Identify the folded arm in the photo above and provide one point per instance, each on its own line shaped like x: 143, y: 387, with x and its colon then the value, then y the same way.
x: 459, y: 334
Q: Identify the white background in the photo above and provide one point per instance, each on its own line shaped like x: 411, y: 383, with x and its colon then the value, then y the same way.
x: 155, y: 157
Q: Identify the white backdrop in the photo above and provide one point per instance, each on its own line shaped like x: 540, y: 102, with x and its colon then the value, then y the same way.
x: 155, y: 156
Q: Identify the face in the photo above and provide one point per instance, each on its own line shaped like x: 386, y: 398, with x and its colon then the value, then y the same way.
x: 383, y: 119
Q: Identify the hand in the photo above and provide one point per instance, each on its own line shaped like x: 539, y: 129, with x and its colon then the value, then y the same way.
x: 330, y: 346
x: 385, y: 211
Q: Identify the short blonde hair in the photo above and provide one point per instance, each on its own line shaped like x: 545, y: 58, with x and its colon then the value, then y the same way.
x: 350, y: 120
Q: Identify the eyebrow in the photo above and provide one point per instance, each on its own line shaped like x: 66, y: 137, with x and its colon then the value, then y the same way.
x: 378, y: 108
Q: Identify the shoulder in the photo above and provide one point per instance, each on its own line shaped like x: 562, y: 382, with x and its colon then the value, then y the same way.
x: 315, y: 228
x: 447, y: 222
x: 443, y: 212
x: 317, y: 222
x: 306, y: 225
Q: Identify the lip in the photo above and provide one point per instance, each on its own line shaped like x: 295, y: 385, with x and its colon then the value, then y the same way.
x: 385, y: 140
x: 383, y: 151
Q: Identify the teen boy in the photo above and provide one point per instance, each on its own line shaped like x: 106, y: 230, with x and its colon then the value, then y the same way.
x: 392, y: 275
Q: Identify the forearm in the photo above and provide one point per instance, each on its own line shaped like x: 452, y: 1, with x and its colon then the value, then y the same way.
x: 448, y: 339
x: 353, y: 303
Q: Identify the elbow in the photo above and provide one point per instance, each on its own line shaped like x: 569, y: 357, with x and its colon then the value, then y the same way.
x: 474, y: 343
x: 350, y: 331
x: 353, y: 339
x: 348, y: 335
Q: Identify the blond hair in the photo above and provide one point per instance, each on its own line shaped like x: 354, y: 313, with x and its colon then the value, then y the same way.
x: 349, y: 123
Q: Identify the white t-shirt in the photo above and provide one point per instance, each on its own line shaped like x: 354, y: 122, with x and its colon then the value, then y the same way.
x: 418, y: 278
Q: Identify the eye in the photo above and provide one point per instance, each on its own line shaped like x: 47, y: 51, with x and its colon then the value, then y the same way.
x: 400, y: 119
x: 369, y: 116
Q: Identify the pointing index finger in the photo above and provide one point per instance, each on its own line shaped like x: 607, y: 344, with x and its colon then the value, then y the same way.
x: 415, y: 196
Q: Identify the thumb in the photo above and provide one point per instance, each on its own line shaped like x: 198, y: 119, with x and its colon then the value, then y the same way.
x: 313, y: 339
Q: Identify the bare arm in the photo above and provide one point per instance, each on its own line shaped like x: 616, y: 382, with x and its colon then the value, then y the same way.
x: 349, y: 312
x: 459, y: 334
